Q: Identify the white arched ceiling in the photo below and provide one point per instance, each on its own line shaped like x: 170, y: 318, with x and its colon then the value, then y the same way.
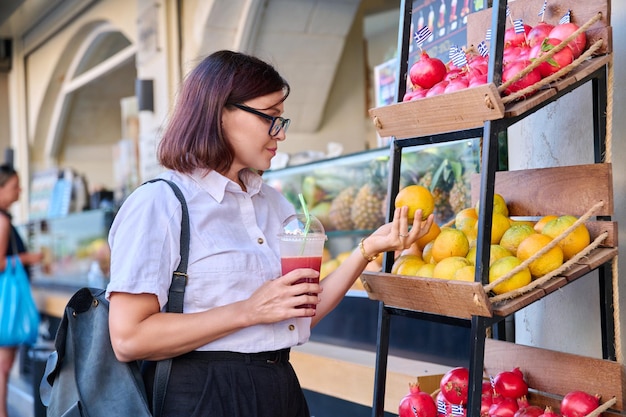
x: 304, y: 40
x: 78, y: 75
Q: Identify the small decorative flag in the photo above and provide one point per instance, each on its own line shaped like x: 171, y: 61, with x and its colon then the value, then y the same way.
x: 518, y: 26
x: 456, y: 409
x: 488, y: 35
x: 483, y: 50
x: 441, y: 407
x: 458, y: 58
x: 543, y: 9
x: 421, y: 35
x: 566, y: 17
x: 508, y: 11
x: 454, y: 49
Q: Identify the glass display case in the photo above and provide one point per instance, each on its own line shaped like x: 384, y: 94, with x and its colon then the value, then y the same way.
x: 76, y: 252
x: 349, y: 193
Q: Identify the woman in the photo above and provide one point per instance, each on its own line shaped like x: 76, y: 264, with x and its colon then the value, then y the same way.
x: 231, y: 346
x: 10, y: 244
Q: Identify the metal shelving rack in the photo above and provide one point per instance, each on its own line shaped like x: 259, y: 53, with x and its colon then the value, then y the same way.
x: 489, y: 164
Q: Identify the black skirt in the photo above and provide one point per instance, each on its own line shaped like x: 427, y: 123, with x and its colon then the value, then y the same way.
x: 228, y: 384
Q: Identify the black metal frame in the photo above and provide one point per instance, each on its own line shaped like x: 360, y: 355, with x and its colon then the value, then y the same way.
x: 489, y: 132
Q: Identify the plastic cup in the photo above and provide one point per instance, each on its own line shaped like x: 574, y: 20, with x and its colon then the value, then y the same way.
x: 302, y: 248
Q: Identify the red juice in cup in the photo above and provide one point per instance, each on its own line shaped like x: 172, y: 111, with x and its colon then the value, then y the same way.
x: 301, y: 246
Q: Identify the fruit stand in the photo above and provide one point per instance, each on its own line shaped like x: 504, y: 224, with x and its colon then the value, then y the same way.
x: 484, y: 111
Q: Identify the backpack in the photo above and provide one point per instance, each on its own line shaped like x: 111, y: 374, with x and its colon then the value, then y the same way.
x: 83, y: 377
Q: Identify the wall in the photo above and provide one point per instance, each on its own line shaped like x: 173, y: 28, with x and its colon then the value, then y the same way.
x: 569, y: 320
x: 5, y: 131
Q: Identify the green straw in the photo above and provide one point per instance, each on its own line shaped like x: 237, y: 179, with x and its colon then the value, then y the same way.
x: 308, y: 220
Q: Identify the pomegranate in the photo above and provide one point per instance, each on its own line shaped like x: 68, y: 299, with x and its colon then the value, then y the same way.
x: 444, y: 408
x: 529, y: 411
x: 511, y: 70
x: 549, y: 412
x: 454, y: 385
x: 505, y: 408
x: 563, y: 31
x: 510, y: 384
x: 538, y: 33
x: 516, y: 39
x: 559, y: 60
x: 459, y: 83
x: 579, y: 404
x: 427, y: 71
x: 417, y: 403
x: 437, y: 89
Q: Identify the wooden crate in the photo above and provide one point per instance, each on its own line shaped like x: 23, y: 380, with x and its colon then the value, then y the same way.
x: 471, y: 107
x: 551, y: 374
x: 536, y: 192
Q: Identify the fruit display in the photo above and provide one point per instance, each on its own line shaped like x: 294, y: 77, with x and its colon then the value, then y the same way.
x: 505, y: 394
x: 531, y: 54
x: 520, y: 251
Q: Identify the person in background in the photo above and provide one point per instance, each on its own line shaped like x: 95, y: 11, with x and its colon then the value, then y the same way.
x: 231, y: 346
x: 10, y: 244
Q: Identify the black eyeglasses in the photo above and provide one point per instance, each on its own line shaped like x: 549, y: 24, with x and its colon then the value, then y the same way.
x: 277, y: 124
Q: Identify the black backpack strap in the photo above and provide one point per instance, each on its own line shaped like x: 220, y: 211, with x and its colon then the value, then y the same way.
x: 175, y: 300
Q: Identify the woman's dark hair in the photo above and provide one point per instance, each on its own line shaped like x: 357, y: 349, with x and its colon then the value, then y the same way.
x: 6, y: 173
x: 193, y: 137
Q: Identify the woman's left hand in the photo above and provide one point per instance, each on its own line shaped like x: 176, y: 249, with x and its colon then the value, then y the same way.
x: 397, y: 235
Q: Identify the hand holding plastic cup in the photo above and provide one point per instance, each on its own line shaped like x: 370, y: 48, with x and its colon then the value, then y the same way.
x: 302, y: 246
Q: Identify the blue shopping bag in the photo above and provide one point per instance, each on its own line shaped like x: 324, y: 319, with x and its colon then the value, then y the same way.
x: 19, y: 318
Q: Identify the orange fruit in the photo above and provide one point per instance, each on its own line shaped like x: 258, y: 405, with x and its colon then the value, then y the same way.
x: 576, y: 241
x: 502, y: 267
x: 468, y: 213
x: 450, y: 242
x: 499, y: 205
x: 542, y: 222
x: 426, y: 271
x: 448, y: 267
x: 514, y: 235
x: 416, y: 197
x: 465, y: 273
x: 499, y: 224
x: 495, y: 252
x: 432, y: 233
x: 407, y: 265
x: 547, y: 262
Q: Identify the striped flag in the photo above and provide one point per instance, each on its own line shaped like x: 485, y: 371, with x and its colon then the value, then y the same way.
x: 518, y: 26
x: 488, y: 35
x: 421, y: 35
x: 457, y: 409
x: 458, y: 58
x: 441, y: 407
x: 508, y: 11
x: 543, y: 8
x: 566, y: 17
x: 483, y: 50
x: 454, y: 49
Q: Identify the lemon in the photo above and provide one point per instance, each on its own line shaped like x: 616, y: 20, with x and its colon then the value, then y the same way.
x: 499, y: 205
x: 450, y: 242
x: 465, y: 273
x: 495, y: 252
x: 576, y: 241
x: 426, y: 271
x: 427, y: 252
x: 542, y: 222
x: 416, y: 197
x: 448, y: 267
x: 547, y: 262
x: 407, y: 265
x: 502, y: 267
x: 499, y: 224
x: 514, y: 236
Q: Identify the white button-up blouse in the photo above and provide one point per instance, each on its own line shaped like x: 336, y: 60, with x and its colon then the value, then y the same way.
x: 233, y: 249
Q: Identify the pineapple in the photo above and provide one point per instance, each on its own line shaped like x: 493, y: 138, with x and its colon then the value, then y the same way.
x: 366, y: 213
x: 341, y: 208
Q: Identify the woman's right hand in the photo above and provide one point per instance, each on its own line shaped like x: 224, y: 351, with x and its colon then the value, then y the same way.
x: 277, y: 300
